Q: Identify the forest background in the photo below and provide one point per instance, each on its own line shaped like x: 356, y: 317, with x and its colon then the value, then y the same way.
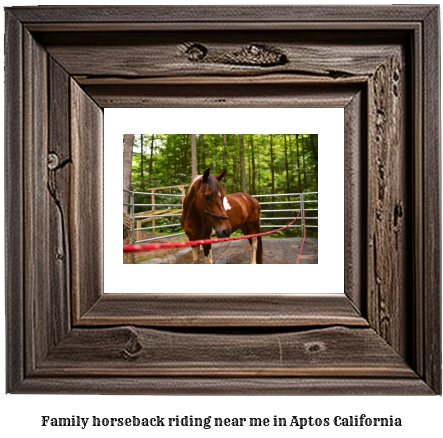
x: 256, y: 163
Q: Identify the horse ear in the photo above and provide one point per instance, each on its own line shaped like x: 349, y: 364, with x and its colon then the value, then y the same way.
x: 206, y: 174
x: 221, y: 175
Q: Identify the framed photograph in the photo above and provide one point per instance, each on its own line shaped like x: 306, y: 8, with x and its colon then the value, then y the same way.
x: 378, y: 331
x: 300, y: 164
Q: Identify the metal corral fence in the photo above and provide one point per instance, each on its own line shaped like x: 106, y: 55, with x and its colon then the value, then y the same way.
x: 304, y: 201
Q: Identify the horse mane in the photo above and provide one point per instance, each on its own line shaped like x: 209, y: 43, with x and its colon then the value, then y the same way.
x: 212, y: 185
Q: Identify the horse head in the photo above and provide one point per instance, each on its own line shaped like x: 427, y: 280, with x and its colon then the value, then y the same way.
x: 209, y: 203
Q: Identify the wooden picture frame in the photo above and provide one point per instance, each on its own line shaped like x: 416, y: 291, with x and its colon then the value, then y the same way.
x: 65, y: 64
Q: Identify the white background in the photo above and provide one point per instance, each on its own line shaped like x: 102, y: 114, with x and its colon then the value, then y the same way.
x: 328, y: 123
x: 21, y: 414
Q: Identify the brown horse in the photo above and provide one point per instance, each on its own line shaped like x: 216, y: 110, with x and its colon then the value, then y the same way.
x: 206, y: 207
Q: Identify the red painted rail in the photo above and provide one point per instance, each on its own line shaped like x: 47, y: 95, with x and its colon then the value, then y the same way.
x: 138, y: 247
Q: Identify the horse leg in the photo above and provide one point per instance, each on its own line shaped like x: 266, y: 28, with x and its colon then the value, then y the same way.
x: 196, y: 254
x: 259, y: 250
x: 256, y: 242
x: 207, y: 249
x: 253, y: 241
x: 254, y: 251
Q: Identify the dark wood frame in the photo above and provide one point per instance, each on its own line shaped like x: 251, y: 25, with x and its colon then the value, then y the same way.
x: 64, y: 65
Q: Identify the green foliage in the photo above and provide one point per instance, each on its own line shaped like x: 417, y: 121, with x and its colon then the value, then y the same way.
x: 290, y: 167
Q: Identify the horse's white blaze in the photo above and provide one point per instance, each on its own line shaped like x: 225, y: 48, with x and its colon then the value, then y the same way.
x: 254, y: 251
x: 196, y: 254
x: 219, y: 194
x: 226, y: 204
x: 209, y: 258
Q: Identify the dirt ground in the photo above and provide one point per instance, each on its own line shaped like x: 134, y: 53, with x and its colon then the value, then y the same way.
x: 275, y: 251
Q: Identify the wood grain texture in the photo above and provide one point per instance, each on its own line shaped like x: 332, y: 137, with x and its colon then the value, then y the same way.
x: 14, y: 263
x: 388, y: 263
x: 418, y: 355
x: 355, y: 190
x: 240, y: 310
x: 59, y: 166
x: 86, y: 235
x: 129, y: 351
x: 38, y: 304
x: 168, y: 54
x: 226, y: 96
x: 431, y: 316
x: 223, y: 345
x: 222, y: 14
x: 288, y: 386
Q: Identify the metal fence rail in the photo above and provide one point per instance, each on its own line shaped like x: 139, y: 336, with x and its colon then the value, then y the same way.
x: 299, y: 204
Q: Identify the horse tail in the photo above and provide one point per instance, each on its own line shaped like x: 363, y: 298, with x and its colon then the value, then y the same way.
x: 259, y: 255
